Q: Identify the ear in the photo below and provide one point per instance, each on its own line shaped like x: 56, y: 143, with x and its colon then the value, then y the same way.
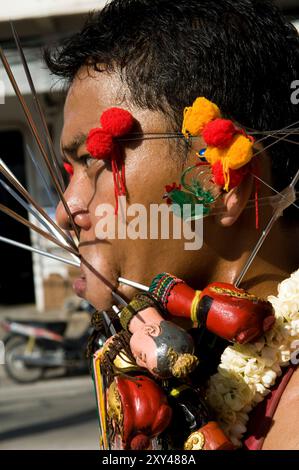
x: 235, y: 201
x: 152, y: 329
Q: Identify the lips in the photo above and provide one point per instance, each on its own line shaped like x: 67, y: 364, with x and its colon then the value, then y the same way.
x: 79, y: 285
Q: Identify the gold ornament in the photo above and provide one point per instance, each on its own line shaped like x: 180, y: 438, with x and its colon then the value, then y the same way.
x: 195, y: 441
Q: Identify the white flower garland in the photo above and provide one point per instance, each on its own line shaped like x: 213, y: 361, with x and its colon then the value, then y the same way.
x: 247, y: 372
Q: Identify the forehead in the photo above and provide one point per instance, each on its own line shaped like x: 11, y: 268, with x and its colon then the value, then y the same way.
x: 88, y: 96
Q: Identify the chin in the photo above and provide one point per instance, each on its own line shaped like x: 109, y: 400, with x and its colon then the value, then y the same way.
x: 99, y: 298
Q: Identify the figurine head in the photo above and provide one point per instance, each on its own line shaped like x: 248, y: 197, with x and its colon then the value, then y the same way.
x: 164, y: 349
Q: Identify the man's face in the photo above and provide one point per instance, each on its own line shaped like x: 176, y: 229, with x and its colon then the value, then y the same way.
x: 149, y: 166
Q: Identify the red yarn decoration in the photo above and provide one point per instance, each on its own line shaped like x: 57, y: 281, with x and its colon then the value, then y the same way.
x: 219, y: 133
x: 235, y: 176
x: 117, y: 121
x: 68, y: 168
x: 99, y: 143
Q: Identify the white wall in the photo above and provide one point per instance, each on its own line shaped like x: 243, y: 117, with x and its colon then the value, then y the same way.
x: 19, y: 9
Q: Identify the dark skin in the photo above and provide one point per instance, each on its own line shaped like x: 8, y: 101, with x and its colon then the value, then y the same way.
x: 150, y: 165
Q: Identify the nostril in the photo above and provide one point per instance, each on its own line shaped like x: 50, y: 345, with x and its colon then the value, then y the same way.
x: 82, y: 220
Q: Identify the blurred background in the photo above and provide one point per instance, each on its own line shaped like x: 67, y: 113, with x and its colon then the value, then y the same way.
x: 52, y: 409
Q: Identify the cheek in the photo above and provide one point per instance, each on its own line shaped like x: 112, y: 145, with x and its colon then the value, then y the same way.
x: 148, y: 170
x: 135, y: 343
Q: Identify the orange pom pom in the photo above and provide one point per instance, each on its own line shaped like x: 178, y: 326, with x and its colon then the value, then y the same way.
x: 198, y: 116
x: 214, y: 154
x: 240, y: 152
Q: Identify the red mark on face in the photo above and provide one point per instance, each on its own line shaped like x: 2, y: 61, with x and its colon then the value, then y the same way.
x: 69, y: 169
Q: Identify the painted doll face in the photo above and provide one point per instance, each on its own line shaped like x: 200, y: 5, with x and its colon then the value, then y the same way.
x: 144, y: 348
x: 152, y: 343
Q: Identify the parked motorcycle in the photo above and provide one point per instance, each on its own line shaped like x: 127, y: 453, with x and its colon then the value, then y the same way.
x: 33, y: 347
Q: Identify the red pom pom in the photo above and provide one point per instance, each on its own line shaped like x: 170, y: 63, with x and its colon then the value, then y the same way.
x: 140, y: 442
x: 69, y: 168
x: 235, y: 176
x: 99, y: 143
x: 117, y: 121
x: 219, y: 133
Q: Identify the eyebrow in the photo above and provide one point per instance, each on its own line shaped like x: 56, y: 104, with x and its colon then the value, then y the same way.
x: 72, y: 148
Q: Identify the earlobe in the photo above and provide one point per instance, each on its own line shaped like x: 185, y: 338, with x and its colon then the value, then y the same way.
x: 235, y: 201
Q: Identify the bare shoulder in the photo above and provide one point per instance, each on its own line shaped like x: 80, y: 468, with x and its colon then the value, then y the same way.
x: 284, y: 433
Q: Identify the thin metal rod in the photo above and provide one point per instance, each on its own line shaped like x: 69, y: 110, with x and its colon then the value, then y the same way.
x: 115, y: 309
x: 127, y: 282
x: 42, y: 176
x: 109, y: 323
x: 277, y: 213
x: 36, y: 136
x: 27, y: 207
x: 28, y: 224
x: 39, y: 252
x: 39, y: 170
x: 13, y: 180
x: 275, y: 191
x: 38, y: 105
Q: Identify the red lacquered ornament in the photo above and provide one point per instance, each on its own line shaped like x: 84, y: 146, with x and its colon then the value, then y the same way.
x: 209, y: 437
x: 234, y: 314
x: 144, y: 408
x: 226, y: 311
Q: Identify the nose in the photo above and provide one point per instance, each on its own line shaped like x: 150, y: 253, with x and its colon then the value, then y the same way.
x: 78, y: 209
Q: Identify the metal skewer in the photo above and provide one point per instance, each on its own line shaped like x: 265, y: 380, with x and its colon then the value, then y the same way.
x: 109, y: 323
x: 37, y: 105
x: 127, y: 282
x: 30, y: 225
x: 42, y: 176
x: 34, y: 131
x: 39, y: 252
x: 27, y: 207
x: 16, y: 183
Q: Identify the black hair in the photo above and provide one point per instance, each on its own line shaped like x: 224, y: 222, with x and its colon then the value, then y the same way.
x: 241, y: 54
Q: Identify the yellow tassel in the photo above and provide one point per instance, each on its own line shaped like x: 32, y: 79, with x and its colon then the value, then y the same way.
x: 198, y: 116
x: 226, y: 174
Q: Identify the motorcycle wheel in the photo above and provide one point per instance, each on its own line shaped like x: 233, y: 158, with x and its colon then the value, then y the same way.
x: 15, y: 368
